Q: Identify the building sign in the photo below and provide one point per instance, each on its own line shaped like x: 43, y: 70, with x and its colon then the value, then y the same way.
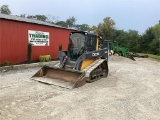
x: 38, y: 38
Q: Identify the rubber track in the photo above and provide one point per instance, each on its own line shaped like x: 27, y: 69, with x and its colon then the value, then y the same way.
x: 91, y: 67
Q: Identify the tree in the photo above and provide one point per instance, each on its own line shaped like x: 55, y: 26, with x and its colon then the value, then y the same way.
x: 31, y: 17
x: 155, y: 44
x: 93, y: 29
x: 23, y: 15
x: 150, y: 41
x: 5, y: 9
x: 37, y: 17
x: 41, y: 17
x: 83, y: 27
x: 154, y: 47
x: 146, y: 39
x: 120, y: 37
x: 156, y: 30
x: 61, y: 23
x: 129, y: 39
x: 106, y: 28
x: 71, y: 22
x: 133, y: 40
x: 52, y: 19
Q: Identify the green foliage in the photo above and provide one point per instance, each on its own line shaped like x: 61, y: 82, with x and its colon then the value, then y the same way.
x: 5, y: 63
x: 29, y: 52
x: 83, y: 27
x: 156, y: 30
x: 71, y: 21
x: 5, y: 9
x: 106, y: 28
x: 149, y: 42
x: 61, y: 23
x: 44, y: 58
x: 41, y: 17
x: 154, y: 47
x: 127, y: 39
x: 38, y: 17
x: 157, y: 57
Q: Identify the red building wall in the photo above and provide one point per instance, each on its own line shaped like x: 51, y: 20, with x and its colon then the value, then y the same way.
x: 14, y: 41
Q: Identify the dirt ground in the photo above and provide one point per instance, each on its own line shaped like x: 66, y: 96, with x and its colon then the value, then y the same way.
x: 130, y: 92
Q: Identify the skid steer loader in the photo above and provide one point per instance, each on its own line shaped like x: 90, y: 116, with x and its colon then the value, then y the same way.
x: 86, y: 60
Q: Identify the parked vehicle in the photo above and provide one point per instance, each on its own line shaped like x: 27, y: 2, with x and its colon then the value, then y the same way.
x: 84, y: 61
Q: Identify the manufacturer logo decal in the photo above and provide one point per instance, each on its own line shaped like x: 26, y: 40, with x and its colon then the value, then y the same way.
x: 95, y: 54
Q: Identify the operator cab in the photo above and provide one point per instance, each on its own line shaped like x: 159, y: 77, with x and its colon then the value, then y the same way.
x: 80, y: 42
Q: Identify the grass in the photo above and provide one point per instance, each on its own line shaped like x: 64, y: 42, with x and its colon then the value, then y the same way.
x: 157, y: 57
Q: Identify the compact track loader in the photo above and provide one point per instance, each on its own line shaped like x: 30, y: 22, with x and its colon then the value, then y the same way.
x: 86, y: 60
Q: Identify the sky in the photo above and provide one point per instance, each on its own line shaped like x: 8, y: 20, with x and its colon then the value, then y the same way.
x: 128, y: 14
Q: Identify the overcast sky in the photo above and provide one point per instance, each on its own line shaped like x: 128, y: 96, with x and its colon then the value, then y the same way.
x: 128, y: 14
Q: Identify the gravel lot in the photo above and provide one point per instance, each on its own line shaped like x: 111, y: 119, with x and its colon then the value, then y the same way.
x: 130, y: 92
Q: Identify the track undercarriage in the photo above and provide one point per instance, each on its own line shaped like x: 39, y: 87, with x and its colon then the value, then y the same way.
x: 96, y: 70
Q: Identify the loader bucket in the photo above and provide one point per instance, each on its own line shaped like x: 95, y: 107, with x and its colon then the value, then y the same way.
x: 60, y: 77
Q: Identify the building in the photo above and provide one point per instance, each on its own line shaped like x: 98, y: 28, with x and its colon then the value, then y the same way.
x: 16, y: 32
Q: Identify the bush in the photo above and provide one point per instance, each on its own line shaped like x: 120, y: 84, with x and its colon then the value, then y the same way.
x: 44, y: 58
x: 5, y: 63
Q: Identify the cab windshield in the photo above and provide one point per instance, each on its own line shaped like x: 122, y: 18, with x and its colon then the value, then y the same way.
x: 76, y: 44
